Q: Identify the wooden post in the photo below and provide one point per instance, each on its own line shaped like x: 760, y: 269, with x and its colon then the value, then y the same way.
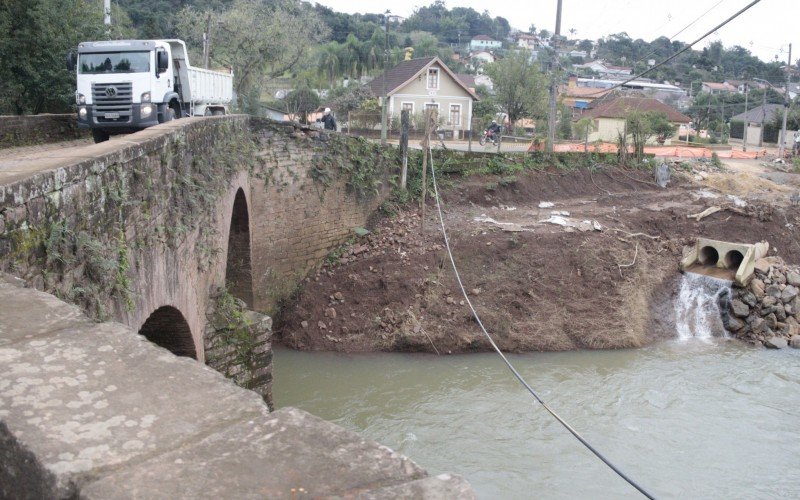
x: 469, y: 140
x: 425, y: 145
x: 404, y: 121
x: 586, y: 139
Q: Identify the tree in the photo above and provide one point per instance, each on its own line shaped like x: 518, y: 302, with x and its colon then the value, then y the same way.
x: 565, y: 123
x: 257, y: 39
x: 35, y: 37
x: 329, y: 62
x: 581, y: 129
x: 643, y: 125
x: 347, y: 99
x: 300, y: 102
x: 486, y: 109
x: 520, y: 88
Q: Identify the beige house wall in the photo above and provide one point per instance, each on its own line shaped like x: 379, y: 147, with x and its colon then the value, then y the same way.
x: 609, y: 130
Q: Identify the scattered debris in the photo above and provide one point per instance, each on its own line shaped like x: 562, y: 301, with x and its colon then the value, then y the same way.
x: 505, y: 226
x: 705, y: 213
x: 585, y: 225
x: 714, y: 209
x: 633, y: 262
x: 705, y: 193
x: 662, y: 175
x: 737, y: 201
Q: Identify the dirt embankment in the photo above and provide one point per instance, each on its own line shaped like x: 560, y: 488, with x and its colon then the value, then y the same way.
x: 598, y: 273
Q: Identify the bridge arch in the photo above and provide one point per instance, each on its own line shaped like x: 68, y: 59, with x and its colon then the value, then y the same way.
x: 238, y: 268
x: 168, y: 328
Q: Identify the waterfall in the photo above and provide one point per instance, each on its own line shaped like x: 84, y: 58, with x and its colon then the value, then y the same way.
x: 697, y: 309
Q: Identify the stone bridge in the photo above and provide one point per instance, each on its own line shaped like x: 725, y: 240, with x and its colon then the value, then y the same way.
x: 163, y: 230
x: 181, y: 233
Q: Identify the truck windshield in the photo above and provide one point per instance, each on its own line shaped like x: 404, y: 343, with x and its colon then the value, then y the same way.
x: 115, y: 62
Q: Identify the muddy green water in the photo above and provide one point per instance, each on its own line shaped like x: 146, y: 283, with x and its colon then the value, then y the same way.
x: 686, y: 419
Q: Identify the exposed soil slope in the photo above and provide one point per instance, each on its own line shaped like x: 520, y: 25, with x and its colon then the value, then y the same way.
x: 607, y: 283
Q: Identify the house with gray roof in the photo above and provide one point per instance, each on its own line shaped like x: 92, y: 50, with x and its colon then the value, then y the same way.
x: 746, y: 127
x: 759, y: 114
x: 427, y: 83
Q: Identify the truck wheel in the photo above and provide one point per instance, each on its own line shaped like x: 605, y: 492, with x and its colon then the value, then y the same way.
x: 218, y: 112
x: 99, y: 135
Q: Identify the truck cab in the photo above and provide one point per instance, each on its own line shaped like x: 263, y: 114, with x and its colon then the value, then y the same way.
x: 128, y: 85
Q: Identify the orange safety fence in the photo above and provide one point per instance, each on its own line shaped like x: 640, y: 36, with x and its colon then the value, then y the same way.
x: 663, y: 151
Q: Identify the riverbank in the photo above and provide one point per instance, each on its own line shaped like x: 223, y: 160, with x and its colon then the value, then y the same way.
x: 553, y: 260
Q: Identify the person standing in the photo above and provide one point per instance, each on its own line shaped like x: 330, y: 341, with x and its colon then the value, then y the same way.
x: 328, y: 120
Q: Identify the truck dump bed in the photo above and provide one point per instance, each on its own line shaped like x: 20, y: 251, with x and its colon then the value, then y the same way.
x: 209, y: 87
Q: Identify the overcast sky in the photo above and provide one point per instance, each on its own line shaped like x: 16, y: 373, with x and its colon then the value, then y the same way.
x: 766, y: 29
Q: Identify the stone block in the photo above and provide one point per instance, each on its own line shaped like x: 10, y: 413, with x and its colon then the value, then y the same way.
x: 776, y: 342
x: 734, y: 324
x: 762, y: 266
x: 265, y: 457
x: 29, y: 314
x: 739, y: 308
x: 789, y: 293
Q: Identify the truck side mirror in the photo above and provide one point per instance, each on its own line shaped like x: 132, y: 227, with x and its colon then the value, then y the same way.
x: 72, y: 60
x: 162, y: 61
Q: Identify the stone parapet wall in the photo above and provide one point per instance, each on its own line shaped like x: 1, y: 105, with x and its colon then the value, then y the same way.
x: 94, y: 411
x: 26, y: 130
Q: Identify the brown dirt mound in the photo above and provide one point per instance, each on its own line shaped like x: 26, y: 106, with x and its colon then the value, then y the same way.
x: 539, y: 286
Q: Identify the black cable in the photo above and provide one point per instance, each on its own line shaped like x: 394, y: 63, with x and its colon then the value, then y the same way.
x: 505, y: 360
x: 673, y: 56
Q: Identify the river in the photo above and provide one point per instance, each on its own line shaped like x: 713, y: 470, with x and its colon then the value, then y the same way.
x: 685, y: 419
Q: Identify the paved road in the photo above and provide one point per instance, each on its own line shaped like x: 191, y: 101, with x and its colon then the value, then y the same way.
x: 23, y: 162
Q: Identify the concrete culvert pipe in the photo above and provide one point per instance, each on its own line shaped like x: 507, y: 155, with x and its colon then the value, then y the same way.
x: 733, y: 259
x: 708, y: 256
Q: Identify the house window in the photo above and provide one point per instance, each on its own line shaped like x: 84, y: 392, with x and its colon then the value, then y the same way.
x: 433, y: 78
x: 407, y: 106
x: 455, y: 115
x: 433, y: 107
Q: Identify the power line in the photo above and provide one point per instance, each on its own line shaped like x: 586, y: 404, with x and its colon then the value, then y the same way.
x: 505, y: 360
x: 673, y: 56
x: 682, y: 30
x: 698, y: 18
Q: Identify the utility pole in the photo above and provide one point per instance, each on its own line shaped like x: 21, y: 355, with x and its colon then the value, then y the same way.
x: 746, y: 121
x: 551, y: 116
x: 207, y: 40
x: 763, y: 115
x: 107, y: 12
x: 385, y: 65
x: 782, y: 148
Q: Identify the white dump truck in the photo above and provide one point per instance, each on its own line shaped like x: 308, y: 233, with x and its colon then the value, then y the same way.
x: 128, y: 85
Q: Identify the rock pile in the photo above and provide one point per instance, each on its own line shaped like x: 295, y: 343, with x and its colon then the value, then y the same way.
x: 767, y: 311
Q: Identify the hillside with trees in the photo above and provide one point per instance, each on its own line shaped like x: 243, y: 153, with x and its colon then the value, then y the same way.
x: 310, y: 46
